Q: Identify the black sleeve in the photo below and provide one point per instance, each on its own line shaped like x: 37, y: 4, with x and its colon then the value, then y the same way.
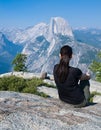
x: 78, y: 73
x: 54, y: 71
x: 54, y: 74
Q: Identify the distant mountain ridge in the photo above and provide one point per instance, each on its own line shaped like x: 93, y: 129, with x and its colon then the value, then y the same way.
x: 42, y: 43
x: 90, y: 36
x: 8, y: 50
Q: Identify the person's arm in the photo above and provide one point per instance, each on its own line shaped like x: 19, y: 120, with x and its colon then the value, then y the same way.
x: 85, y: 77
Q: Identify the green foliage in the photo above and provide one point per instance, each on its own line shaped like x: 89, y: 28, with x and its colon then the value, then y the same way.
x: 96, y: 67
x: 12, y: 83
x: 19, y: 62
x: 92, y: 95
x: 17, y: 84
x: 32, y: 84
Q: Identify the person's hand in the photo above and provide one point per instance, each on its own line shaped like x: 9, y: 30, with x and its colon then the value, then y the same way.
x: 85, y: 76
x: 88, y: 75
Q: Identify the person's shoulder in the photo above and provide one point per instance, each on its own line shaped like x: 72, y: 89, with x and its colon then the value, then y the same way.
x: 74, y: 68
x: 55, y: 67
x: 76, y: 72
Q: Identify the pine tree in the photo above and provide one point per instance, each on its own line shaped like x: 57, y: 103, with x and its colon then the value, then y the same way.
x: 19, y: 62
x: 96, y: 67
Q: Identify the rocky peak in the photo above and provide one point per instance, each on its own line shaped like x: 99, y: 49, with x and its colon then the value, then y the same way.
x: 2, y: 38
x: 59, y: 25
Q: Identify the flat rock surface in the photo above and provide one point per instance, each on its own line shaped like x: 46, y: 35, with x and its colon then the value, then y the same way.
x: 97, y: 99
x: 52, y: 92
x: 95, y: 86
x: 30, y: 112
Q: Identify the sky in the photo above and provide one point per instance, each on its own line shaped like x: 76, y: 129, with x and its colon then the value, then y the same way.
x: 24, y: 13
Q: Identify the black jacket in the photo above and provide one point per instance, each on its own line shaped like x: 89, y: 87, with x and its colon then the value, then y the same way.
x: 70, y: 91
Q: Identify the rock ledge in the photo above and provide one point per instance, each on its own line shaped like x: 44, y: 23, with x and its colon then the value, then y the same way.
x: 30, y: 112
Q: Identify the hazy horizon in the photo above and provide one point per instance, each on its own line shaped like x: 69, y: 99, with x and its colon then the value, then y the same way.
x: 24, y: 13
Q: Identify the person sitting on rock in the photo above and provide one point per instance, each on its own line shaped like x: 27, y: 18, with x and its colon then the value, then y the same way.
x: 44, y: 76
x: 72, y: 84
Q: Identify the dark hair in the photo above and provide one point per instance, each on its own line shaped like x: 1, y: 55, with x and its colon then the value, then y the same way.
x: 63, y: 67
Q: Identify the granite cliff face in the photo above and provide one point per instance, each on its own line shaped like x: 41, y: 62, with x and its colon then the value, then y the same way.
x: 30, y: 112
x: 42, y: 42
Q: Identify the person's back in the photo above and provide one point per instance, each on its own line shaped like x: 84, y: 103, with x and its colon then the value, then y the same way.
x: 67, y: 78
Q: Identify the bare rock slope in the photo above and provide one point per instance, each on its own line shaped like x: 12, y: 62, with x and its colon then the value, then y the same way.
x: 30, y: 112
